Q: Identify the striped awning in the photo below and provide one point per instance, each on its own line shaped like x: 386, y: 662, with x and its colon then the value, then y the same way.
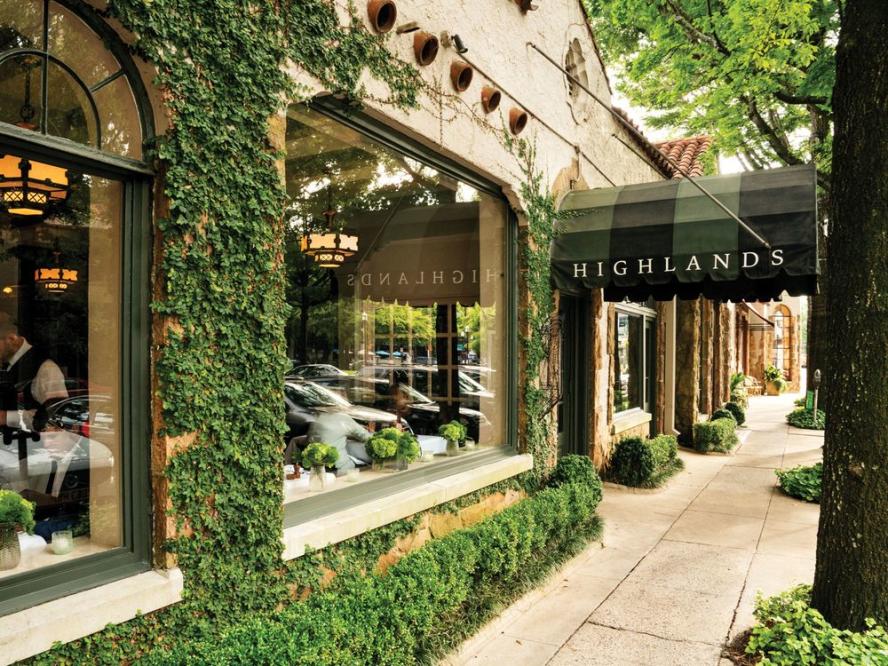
x: 668, y: 238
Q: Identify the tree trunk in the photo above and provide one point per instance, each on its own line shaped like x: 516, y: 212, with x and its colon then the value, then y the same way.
x: 850, y: 582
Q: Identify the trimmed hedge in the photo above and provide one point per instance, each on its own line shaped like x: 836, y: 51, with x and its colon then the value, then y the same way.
x: 718, y: 435
x: 790, y: 632
x: 802, y: 418
x: 427, y: 602
x: 737, y: 411
x: 722, y: 414
x: 644, y: 463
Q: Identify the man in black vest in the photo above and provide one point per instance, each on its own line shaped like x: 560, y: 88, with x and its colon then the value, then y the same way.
x: 29, y: 380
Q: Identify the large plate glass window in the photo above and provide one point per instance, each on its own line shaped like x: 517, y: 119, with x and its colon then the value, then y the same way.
x: 396, y: 282
x: 59, y: 361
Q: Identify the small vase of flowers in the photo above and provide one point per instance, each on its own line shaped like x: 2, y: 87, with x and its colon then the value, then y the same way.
x: 16, y: 513
x: 454, y: 432
x: 408, y: 450
x: 318, y: 456
x: 383, y: 447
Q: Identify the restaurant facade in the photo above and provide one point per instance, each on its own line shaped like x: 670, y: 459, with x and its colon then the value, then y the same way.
x: 397, y: 277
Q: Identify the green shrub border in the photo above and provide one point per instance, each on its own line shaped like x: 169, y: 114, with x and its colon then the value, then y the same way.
x: 644, y: 463
x: 428, y: 602
x: 717, y: 436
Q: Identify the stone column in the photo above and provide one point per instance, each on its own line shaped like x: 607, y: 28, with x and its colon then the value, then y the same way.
x: 687, y: 367
x: 706, y: 348
x: 599, y: 379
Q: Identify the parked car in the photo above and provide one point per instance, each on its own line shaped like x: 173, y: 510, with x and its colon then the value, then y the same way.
x: 423, y: 413
x: 423, y: 377
x: 312, y: 370
x: 305, y: 401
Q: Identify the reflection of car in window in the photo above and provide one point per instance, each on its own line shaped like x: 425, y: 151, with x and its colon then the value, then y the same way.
x: 423, y: 413
x: 304, y: 401
x: 314, y: 370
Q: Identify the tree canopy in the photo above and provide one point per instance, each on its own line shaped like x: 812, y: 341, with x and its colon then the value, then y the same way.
x: 756, y: 75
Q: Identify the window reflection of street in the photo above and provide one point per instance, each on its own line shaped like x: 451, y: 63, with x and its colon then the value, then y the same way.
x: 409, y: 330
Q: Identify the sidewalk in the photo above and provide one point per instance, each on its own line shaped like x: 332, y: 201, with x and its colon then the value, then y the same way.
x: 676, y: 573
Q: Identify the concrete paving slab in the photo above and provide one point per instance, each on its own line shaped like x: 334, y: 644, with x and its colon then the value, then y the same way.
x: 512, y: 651
x: 785, y: 538
x: 791, y: 510
x: 736, y: 501
x: 693, y: 566
x: 716, y: 529
x: 555, y: 617
x: 766, y: 461
x: 748, y: 477
x: 683, y: 615
x: 610, y: 562
x: 594, y: 645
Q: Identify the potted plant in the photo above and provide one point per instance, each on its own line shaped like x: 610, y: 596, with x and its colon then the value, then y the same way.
x: 383, y: 446
x: 15, y: 513
x: 408, y: 450
x: 739, y: 395
x: 318, y: 456
x: 454, y: 432
x: 775, y: 384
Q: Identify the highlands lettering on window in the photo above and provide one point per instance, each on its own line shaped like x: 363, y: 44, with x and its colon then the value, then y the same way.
x: 473, y: 276
x: 694, y: 263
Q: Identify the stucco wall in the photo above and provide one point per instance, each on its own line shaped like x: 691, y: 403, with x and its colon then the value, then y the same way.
x: 497, y: 35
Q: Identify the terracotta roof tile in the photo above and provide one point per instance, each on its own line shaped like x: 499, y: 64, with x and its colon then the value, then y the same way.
x: 686, y: 153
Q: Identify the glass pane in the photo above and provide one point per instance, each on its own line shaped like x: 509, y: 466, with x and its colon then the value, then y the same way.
x: 59, y: 346
x: 628, y: 363
x: 21, y: 24
x: 20, y: 91
x: 70, y: 113
x: 76, y: 45
x: 119, y: 115
x: 408, y: 325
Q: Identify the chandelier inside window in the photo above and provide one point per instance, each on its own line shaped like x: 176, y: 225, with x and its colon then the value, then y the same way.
x: 329, y: 247
x: 29, y: 187
x: 57, y: 278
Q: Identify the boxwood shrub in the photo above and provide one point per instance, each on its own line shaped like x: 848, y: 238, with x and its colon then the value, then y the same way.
x: 789, y: 631
x: 430, y: 600
x: 718, y: 435
x: 737, y: 411
x: 644, y: 463
x: 722, y: 414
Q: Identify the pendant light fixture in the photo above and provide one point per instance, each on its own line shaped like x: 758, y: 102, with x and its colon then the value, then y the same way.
x: 29, y: 187
x: 331, y: 247
x: 57, y: 278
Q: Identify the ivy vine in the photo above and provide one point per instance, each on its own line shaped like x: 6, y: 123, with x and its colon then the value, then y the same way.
x: 542, y: 223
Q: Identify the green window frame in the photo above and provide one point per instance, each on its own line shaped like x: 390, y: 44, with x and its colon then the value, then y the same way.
x: 134, y: 556
x: 304, y: 510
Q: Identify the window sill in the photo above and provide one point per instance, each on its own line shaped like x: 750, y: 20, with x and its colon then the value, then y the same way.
x: 34, y: 630
x: 633, y: 419
x: 360, y: 518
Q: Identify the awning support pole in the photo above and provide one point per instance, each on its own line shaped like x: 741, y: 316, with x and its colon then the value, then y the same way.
x: 629, y: 127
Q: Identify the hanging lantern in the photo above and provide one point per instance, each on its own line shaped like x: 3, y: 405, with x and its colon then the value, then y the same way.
x: 28, y: 187
x: 55, y: 279
x: 331, y: 248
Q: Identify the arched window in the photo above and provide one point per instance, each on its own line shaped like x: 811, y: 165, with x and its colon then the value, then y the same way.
x: 74, y: 229
x: 60, y: 78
